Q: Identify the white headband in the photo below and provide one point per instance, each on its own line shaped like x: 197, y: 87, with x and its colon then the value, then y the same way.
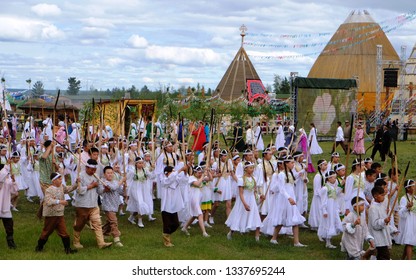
x: 56, y: 177
x: 358, y: 203
x: 248, y: 165
x: 91, y: 165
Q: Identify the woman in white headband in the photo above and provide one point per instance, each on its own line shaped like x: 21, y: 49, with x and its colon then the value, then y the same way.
x: 245, y: 216
x: 284, y: 212
x: 315, y: 212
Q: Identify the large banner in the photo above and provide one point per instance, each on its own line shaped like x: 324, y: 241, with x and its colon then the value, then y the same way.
x: 256, y: 91
x: 324, y: 108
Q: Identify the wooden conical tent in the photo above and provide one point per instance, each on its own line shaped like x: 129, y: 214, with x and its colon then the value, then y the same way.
x: 233, y: 84
x: 352, y: 53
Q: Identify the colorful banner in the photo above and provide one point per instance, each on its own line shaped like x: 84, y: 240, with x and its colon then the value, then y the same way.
x: 256, y: 91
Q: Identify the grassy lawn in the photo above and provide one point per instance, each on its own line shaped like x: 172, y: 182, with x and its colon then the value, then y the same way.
x: 146, y: 243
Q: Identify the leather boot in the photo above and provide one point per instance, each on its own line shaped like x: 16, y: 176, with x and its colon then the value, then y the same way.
x: 76, y: 242
x: 166, y: 240
x: 67, y: 246
x: 117, y: 242
x: 100, y: 240
x: 10, y: 242
x: 41, y: 243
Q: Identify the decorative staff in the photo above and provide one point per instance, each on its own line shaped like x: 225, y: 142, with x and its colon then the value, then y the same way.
x: 54, y: 119
x: 398, y: 189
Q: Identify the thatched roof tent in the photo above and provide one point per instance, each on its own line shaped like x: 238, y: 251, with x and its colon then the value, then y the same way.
x: 352, y: 52
x: 234, y: 82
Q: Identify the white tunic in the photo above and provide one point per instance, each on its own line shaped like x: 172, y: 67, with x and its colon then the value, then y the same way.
x: 171, y: 198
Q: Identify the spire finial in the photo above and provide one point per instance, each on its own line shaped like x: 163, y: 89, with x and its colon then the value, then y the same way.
x: 243, y: 30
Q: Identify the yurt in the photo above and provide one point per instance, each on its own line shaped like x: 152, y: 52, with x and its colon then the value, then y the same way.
x: 352, y: 53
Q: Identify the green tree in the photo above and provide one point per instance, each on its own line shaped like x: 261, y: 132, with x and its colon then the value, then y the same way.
x: 38, y: 89
x: 74, y: 86
x: 281, y: 85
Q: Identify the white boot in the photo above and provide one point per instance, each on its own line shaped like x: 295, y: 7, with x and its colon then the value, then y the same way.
x: 140, y: 223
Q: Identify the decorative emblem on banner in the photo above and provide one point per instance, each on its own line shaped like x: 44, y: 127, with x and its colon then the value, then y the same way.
x: 256, y: 91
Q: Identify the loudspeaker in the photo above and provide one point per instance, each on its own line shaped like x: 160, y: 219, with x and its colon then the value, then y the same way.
x: 390, y: 77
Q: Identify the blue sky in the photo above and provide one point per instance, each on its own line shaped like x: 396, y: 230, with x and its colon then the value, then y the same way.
x: 109, y: 43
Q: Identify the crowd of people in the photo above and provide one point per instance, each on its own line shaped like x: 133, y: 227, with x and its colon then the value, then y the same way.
x: 263, y: 186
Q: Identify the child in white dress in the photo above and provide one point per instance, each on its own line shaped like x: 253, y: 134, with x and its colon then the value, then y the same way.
x: 330, y: 223
x: 197, y: 182
x: 318, y: 181
x: 340, y: 170
x: 137, y: 179
x: 245, y: 215
x: 407, y: 222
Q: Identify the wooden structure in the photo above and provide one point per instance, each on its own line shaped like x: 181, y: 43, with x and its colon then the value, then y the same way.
x: 40, y: 109
x: 352, y: 53
x: 132, y: 109
x: 233, y: 84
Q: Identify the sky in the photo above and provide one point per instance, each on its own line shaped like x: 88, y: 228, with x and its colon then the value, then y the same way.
x: 160, y: 44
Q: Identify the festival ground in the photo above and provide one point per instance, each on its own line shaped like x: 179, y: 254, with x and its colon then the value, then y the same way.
x: 146, y: 243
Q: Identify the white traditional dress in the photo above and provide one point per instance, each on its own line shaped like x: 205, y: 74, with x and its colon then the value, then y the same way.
x: 315, y: 148
x: 315, y: 213
x: 280, y: 137
x: 331, y: 225
x: 282, y: 213
x: 258, y: 139
x: 240, y: 219
x: 137, y: 179
x: 407, y: 222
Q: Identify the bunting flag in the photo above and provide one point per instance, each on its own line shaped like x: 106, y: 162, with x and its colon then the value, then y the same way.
x: 403, y: 19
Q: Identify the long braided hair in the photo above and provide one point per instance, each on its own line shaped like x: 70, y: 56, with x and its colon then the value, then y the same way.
x: 320, y: 162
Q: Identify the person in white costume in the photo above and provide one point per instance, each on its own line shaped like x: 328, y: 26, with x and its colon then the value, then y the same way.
x: 330, y: 224
x: 245, y: 214
x: 258, y: 138
x: 197, y: 182
x: 315, y: 148
x: 280, y: 135
x: 407, y: 222
x: 315, y: 213
x: 285, y: 213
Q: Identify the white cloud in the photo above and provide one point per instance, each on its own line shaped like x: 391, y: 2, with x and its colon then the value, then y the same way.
x: 136, y: 41
x: 114, y: 61
x: 182, y: 55
x: 147, y: 80
x: 186, y: 80
x: 22, y: 29
x: 46, y: 10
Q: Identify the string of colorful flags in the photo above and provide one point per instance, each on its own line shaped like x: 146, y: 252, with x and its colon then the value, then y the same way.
x: 355, y: 40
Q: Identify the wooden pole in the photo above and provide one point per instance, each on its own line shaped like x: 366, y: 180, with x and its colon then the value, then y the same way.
x: 54, y: 120
x: 398, y: 189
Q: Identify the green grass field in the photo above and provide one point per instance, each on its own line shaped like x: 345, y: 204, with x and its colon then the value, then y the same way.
x: 146, y: 243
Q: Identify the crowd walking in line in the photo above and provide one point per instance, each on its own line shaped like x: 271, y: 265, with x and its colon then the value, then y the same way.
x: 263, y: 187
